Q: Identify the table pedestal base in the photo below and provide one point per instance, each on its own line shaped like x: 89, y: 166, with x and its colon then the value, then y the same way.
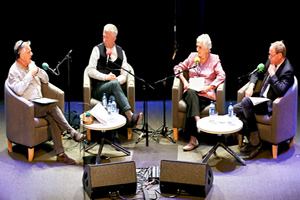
x: 207, y: 156
x: 99, y: 156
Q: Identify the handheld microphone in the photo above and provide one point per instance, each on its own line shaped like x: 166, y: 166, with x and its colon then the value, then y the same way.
x: 108, y: 54
x: 47, y: 68
x: 259, y: 68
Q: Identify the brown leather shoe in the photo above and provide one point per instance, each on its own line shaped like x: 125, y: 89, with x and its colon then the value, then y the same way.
x: 191, y: 145
x: 65, y: 159
x: 77, y: 137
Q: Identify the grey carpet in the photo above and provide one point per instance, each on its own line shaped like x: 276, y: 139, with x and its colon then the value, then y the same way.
x: 44, y: 178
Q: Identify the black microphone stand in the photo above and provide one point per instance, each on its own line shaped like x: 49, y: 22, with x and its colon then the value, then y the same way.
x: 145, y: 110
x: 163, y: 130
x: 69, y: 59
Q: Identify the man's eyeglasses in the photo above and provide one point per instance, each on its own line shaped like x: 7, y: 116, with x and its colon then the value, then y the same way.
x: 271, y: 56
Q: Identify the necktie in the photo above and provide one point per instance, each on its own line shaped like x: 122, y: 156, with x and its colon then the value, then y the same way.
x: 265, y: 85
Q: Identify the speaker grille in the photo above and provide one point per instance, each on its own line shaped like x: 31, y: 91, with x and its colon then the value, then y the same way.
x: 183, y: 172
x: 103, y: 179
x: 185, y: 177
x: 113, y: 174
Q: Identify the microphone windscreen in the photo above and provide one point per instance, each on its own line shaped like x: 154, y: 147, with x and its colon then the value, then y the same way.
x: 45, y: 66
x: 260, y: 67
x: 108, y: 52
x: 197, y: 59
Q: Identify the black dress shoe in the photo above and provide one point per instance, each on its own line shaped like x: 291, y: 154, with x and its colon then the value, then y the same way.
x: 135, y: 118
x: 255, y: 151
x: 248, y: 148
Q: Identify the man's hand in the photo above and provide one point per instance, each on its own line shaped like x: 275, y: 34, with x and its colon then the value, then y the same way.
x: 34, y: 70
x: 110, y: 77
x: 249, y: 91
x: 272, y: 70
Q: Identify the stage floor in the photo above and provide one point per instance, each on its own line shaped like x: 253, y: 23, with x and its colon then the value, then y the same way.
x: 44, y: 178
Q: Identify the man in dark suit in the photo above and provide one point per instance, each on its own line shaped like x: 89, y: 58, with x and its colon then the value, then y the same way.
x: 277, y: 77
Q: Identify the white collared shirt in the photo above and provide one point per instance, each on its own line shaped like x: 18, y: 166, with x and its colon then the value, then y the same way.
x: 95, y: 56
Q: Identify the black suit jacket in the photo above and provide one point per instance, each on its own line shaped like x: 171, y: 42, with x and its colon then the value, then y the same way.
x: 279, y: 83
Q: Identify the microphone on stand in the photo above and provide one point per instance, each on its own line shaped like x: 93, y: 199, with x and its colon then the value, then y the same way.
x: 197, y: 61
x: 259, y: 68
x: 68, y: 55
x: 108, y: 54
x: 47, y: 68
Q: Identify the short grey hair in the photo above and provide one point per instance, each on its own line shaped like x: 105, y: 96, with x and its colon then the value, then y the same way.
x: 111, y: 28
x: 205, y: 40
x: 20, y: 45
x: 279, y: 47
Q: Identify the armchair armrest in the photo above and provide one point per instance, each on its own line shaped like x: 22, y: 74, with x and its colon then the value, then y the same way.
x: 131, y: 88
x: 284, y: 115
x: 177, y: 91
x: 86, y: 90
x: 241, y: 92
x: 221, y: 101
x: 19, y: 114
x: 51, y: 91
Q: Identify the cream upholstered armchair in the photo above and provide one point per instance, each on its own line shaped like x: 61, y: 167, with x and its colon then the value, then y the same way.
x: 128, y: 88
x: 282, y: 124
x: 21, y: 125
x: 179, y: 105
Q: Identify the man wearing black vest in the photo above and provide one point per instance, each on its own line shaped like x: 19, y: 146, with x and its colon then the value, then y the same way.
x: 104, y: 68
x: 277, y: 77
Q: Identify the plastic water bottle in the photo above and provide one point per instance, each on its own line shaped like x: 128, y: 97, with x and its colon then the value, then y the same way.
x: 104, y: 100
x: 230, y: 110
x: 211, y: 108
x: 211, y: 111
x: 230, y: 113
x: 109, y: 110
x: 113, y: 108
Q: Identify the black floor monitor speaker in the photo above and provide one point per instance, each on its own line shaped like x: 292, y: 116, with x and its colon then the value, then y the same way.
x: 112, y: 179
x: 188, y: 178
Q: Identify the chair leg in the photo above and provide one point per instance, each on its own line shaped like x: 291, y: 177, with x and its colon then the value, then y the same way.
x: 30, y: 154
x: 240, y: 140
x: 274, y: 151
x: 175, y: 133
x: 291, y: 142
x: 9, y: 146
x: 88, y: 134
x: 129, y: 133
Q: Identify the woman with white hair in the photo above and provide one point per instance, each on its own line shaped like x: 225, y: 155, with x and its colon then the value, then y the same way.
x: 211, y: 70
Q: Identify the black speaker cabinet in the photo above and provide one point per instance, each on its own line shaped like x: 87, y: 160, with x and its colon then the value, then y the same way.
x: 115, y: 178
x: 189, y: 178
